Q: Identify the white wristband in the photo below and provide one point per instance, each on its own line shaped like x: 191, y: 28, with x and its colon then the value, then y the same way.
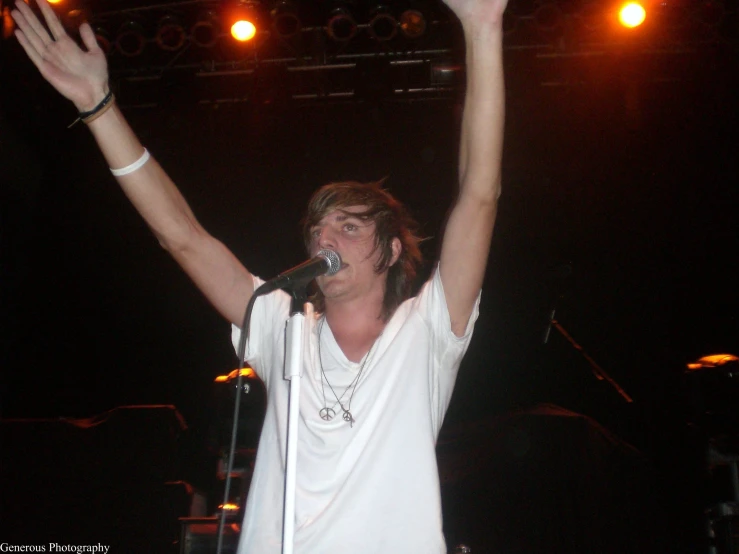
x: 133, y: 167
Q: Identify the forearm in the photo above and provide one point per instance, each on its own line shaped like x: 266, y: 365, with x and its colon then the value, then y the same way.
x: 213, y: 268
x: 149, y: 189
x: 481, y: 140
x: 469, y: 229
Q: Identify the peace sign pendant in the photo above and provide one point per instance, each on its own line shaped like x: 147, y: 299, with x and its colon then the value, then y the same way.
x: 326, y: 414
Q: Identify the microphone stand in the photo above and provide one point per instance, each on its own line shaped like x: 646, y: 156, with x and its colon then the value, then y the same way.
x: 296, y: 337
x: 598, y: 371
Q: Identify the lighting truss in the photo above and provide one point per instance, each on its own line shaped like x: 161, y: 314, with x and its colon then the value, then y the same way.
x: 361, y: 49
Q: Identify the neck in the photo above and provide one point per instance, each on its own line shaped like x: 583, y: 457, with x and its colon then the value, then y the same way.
x: 355, y: 326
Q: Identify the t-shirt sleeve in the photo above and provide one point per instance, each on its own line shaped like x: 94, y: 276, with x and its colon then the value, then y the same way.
x: 447, y: 349
x: 431, y: 305
x: 266, y: 330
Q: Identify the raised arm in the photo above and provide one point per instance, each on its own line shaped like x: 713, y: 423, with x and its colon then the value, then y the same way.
x: 82, y: 77
x: 469, y: 230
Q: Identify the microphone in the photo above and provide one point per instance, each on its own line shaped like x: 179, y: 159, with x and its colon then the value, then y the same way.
x: 325, y: 262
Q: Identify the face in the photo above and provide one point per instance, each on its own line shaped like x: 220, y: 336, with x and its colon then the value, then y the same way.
x: 354, y: 240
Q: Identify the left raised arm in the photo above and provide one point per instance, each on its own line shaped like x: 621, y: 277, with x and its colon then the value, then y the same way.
x: 469, y: 230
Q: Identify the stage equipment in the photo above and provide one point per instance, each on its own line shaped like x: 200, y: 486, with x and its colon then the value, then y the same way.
x: 285, y: 20
x: 711, y: 384
x: 325, y: 262
x: 295, y: 281
x: 103, y: 39
x: 632, y: 15
x: 341, y: 26
x: 130, y: 40
x: 206, y: 30
x: 412, y: 24
x: 243, y: 30
x: 8, y: 23
x: 243, y: 21
x: 171, y: 34
x: 74, y: 18
x: 252, y: 399
x: 199, y: 535
x: 382, y: 26
x: 598, y: 371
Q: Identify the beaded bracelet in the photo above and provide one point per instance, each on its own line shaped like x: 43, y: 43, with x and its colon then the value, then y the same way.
x: 133, y: 167
x: 88, y: 117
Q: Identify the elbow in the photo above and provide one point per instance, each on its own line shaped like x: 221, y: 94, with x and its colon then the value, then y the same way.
x: 180, y: 239
x: 484, y: 196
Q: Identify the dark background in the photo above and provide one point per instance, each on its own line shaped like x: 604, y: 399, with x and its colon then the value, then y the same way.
x: 620, y: 199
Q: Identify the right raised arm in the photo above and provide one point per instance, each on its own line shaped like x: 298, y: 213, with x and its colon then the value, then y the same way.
x: 82, y: 77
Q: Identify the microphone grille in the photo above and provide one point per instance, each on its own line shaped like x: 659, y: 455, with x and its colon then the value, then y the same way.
x: 333, y: 259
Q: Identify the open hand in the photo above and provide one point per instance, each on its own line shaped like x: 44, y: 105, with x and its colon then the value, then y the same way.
x: 79, y: 75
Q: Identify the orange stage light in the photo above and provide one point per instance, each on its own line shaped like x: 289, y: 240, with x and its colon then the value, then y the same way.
x: 8, y: 23
x: 54, y: 1
x: 245, y: 372
x: 243, y: 30
x: 632, y: 14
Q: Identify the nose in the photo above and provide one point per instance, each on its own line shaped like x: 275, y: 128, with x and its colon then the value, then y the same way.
x: 327, y: 239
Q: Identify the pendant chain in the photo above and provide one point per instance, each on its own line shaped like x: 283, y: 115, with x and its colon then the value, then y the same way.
x: 326, y: 413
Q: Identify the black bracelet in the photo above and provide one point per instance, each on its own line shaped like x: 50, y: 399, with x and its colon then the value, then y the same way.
x: 84, y: 115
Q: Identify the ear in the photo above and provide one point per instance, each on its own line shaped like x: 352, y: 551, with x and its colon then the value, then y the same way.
x: 397, y: 249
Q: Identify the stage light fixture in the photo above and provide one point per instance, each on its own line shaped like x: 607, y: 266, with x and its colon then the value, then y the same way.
x: 243, y: 22
x: 243, y: 30
x: 382, y: 26
x: 170, y: 34
x: 74, y: 18
x: 714, y: 360
x: 206, y: 30
x: 632, y: 15
x: 412, y: 23
x: 8, y: 23
x: 130, y: 40
x: 103, y: 39
x: 285, y: 20
x: 341, y: 25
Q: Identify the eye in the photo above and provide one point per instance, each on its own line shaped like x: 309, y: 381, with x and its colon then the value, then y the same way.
x: 315, y: 233
x: 350, y: 227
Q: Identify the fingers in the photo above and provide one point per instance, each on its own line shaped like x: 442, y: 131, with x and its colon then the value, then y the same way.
x: 88, y: 37
x: 55, y: 26
x: 31, y: 27
x: 33, y: 54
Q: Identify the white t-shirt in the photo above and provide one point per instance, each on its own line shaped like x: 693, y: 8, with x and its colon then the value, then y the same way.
x: 372, y: 487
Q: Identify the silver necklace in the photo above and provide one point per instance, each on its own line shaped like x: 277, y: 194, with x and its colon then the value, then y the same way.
x: 326, y: 413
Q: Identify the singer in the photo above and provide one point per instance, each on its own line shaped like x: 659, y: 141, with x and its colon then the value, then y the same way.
x: 381, y: 365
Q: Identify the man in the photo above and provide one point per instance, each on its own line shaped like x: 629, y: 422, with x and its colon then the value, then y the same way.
x: 379, y: 370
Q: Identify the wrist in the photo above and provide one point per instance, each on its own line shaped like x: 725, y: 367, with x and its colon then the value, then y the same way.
x: 103, y: 106
x: 95, y: 97
x: 481, y: 35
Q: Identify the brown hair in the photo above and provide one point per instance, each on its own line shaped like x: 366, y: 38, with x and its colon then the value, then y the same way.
x: 391, y: 220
